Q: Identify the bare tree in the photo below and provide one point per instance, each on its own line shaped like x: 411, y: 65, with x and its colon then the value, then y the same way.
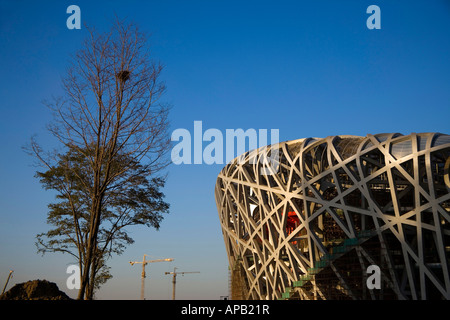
x: 111, y: 117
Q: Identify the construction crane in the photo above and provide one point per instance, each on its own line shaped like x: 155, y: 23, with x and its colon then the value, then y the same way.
x: 144, y: 263
x: 174, y: 279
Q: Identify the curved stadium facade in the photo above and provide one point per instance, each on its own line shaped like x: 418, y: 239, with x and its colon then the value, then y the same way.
x: 331, y: 208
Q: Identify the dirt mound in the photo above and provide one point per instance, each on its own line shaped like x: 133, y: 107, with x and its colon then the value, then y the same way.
x: 35, y: 290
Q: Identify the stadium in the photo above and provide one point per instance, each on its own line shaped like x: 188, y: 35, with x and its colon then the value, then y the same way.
x: 329, y: 209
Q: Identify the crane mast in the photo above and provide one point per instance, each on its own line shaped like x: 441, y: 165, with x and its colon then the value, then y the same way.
x: 144, y: 263
x: 174, y: 279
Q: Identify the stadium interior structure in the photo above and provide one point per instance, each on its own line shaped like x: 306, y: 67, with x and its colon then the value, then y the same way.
x: 330, y: 208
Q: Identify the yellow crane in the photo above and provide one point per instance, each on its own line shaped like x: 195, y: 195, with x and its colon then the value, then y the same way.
x: 144, y: 263
x: 174, y: 279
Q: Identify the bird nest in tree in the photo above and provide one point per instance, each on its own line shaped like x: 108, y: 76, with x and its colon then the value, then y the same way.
x: 123, y: 75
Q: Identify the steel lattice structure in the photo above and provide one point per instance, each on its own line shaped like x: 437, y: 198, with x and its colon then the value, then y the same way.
x: 331, y: 208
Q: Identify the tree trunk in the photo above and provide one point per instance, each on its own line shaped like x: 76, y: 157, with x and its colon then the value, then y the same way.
x: 91, y: 245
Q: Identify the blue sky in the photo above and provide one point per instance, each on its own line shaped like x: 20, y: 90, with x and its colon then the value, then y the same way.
x: 308, y: 69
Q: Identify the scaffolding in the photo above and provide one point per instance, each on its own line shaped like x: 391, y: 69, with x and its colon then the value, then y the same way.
x: 342, y: 274
x: 238, y: 285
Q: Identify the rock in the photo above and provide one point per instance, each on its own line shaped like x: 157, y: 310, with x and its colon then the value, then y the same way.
x: 35, y: 290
